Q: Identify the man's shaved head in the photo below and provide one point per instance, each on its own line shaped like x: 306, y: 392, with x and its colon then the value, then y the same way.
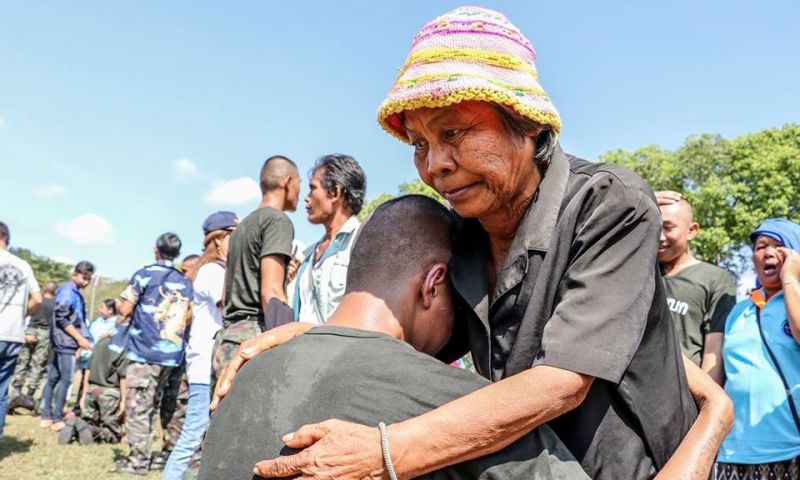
x: 678, y: 228
x: 402, y: 239
x: 682, y: 207
x: 274, y: 170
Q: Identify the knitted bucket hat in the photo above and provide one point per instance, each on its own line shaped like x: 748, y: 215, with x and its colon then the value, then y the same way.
x: 469, y: 53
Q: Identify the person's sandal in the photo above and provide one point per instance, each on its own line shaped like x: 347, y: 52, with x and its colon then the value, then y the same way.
x: 45, y: 423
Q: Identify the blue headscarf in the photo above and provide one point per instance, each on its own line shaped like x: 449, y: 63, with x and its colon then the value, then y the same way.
x: 780, y: 229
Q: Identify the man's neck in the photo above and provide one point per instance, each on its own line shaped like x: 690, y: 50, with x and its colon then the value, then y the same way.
x: 335, y: 223
x: 272, y: 199
x: 363, y: 311
x: 682, y: 261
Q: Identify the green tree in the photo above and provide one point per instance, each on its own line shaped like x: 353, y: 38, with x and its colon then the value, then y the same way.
x: 44, y: 269
x: 733, y: 185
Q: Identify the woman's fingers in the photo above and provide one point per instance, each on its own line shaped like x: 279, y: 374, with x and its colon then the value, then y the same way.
x: 247, y: 350
x: 306, y: 435
x: 281, y: 467
x: 668, y: 197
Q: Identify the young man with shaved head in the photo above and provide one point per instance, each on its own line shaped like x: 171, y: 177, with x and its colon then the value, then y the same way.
x: 258, y: 255
x: 699, y: 294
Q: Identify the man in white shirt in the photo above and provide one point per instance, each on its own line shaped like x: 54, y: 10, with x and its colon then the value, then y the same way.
x: 19, y: 297
x: 337, y: 189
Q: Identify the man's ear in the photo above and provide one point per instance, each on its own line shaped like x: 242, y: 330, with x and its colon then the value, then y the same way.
x: 336, y: 194
x: 694, y: 229
x: 433, y: 283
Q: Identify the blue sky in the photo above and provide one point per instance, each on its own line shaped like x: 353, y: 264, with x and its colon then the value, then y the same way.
x: 122, y: 120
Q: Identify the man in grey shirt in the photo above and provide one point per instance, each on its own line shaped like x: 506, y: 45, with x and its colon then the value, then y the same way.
x: 361, y: 366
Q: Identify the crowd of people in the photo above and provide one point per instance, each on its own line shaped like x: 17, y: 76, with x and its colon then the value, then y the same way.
x: 602, y: 347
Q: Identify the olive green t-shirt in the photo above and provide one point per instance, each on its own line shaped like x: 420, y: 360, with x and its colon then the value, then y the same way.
x: 266, y: 231
x: 700, y: 297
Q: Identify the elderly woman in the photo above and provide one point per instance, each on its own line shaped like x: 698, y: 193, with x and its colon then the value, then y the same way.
x: 761, y: 353
x: 555, y: 265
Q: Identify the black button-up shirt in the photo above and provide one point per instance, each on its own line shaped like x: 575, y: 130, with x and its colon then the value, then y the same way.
x: 580, y: 290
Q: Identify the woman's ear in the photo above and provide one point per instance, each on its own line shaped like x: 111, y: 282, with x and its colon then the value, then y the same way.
x: 434, y: 281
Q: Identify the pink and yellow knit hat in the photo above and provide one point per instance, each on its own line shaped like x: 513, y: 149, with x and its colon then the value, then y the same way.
x: 470, y: 53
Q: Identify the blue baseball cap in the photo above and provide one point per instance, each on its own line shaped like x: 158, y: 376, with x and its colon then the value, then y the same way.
x: 222, y: 220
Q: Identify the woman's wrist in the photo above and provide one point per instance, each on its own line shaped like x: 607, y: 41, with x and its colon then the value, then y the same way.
x: 792, y: 281
x: 408, y: 462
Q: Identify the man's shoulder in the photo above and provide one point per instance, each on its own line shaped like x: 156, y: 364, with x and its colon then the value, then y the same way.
x: 261, y: 216
x: 709, y: 273
x: 8, y: 258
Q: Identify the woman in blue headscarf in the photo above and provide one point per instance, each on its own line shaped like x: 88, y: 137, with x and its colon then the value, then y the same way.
x: 761, y: 354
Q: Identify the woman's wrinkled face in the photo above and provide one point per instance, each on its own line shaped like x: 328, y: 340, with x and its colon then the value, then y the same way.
x: 768, y: 261
x: 465, y: 153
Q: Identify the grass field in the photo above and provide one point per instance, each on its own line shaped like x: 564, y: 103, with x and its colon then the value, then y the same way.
x: 28, y: 452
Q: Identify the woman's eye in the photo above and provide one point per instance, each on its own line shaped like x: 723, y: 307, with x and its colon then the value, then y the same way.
x: 419, y: 144
x: 451, y: 134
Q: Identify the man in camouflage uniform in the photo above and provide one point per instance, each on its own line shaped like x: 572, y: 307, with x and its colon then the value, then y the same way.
x: 258, y: 255
x: 103, y: 401
x: 32, y: 361
x: 158, y: 301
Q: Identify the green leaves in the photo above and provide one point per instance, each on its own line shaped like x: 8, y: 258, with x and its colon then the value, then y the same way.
x: 415, y: 187
x: 733, y: 185
x: 44, y: 269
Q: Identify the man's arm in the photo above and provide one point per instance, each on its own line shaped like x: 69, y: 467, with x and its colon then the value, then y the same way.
x: 74, y: 333
x: 272, y: 275
x: 124, y: 307
x: 712, y: 357
x: 696, y: 453
x: 34, y: 301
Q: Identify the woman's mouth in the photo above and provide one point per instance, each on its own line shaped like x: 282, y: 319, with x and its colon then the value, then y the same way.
x: 456, y: 194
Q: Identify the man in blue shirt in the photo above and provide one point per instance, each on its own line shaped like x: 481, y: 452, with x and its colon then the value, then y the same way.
x: 158, y: 301
x: 67, y: 335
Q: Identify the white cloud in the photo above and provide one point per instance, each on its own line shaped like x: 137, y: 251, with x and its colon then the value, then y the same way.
x: 47, y: 192
x: 185, y: 170
x: 89, y: 229
x: 238, y: 191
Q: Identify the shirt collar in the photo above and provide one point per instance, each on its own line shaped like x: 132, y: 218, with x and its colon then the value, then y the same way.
x: 166, y: 263
x: 351, y: 224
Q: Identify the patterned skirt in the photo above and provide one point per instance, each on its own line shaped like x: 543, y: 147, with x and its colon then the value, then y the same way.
x: 786, y: 470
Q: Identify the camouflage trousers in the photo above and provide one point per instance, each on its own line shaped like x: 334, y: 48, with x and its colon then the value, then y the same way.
x: 226, y: 343
x: 152, y: 389
x: 32, y: 361
x: 173, y: 407
x: 102, y: 412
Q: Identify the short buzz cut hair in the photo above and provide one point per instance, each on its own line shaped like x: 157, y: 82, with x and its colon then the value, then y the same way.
x: 274, y: 170
x: 343, y: 171
x: 403, y: 238
x: 168, y: 246
x: 5, y: 235
x: 84, y: 268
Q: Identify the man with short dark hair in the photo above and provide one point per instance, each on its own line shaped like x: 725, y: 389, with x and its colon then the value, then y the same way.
x: 336, y: 194
x: 158, y: 300
x: 258, y: 255
x: 360, y: 367
x: 66, y: 338
x: 32, y: 362
x: 19, y: 297
x: 700, y: 295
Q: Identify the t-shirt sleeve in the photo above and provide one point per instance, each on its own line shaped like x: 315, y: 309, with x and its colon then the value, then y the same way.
x: 277, y: 236
x: 134, y: 289
x: 210, y: 282
x: 607, y: 290
x: 721, y: 301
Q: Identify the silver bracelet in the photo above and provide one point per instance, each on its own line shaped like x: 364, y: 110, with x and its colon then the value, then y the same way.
x: 387, y: 459
x: 790, y: 282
